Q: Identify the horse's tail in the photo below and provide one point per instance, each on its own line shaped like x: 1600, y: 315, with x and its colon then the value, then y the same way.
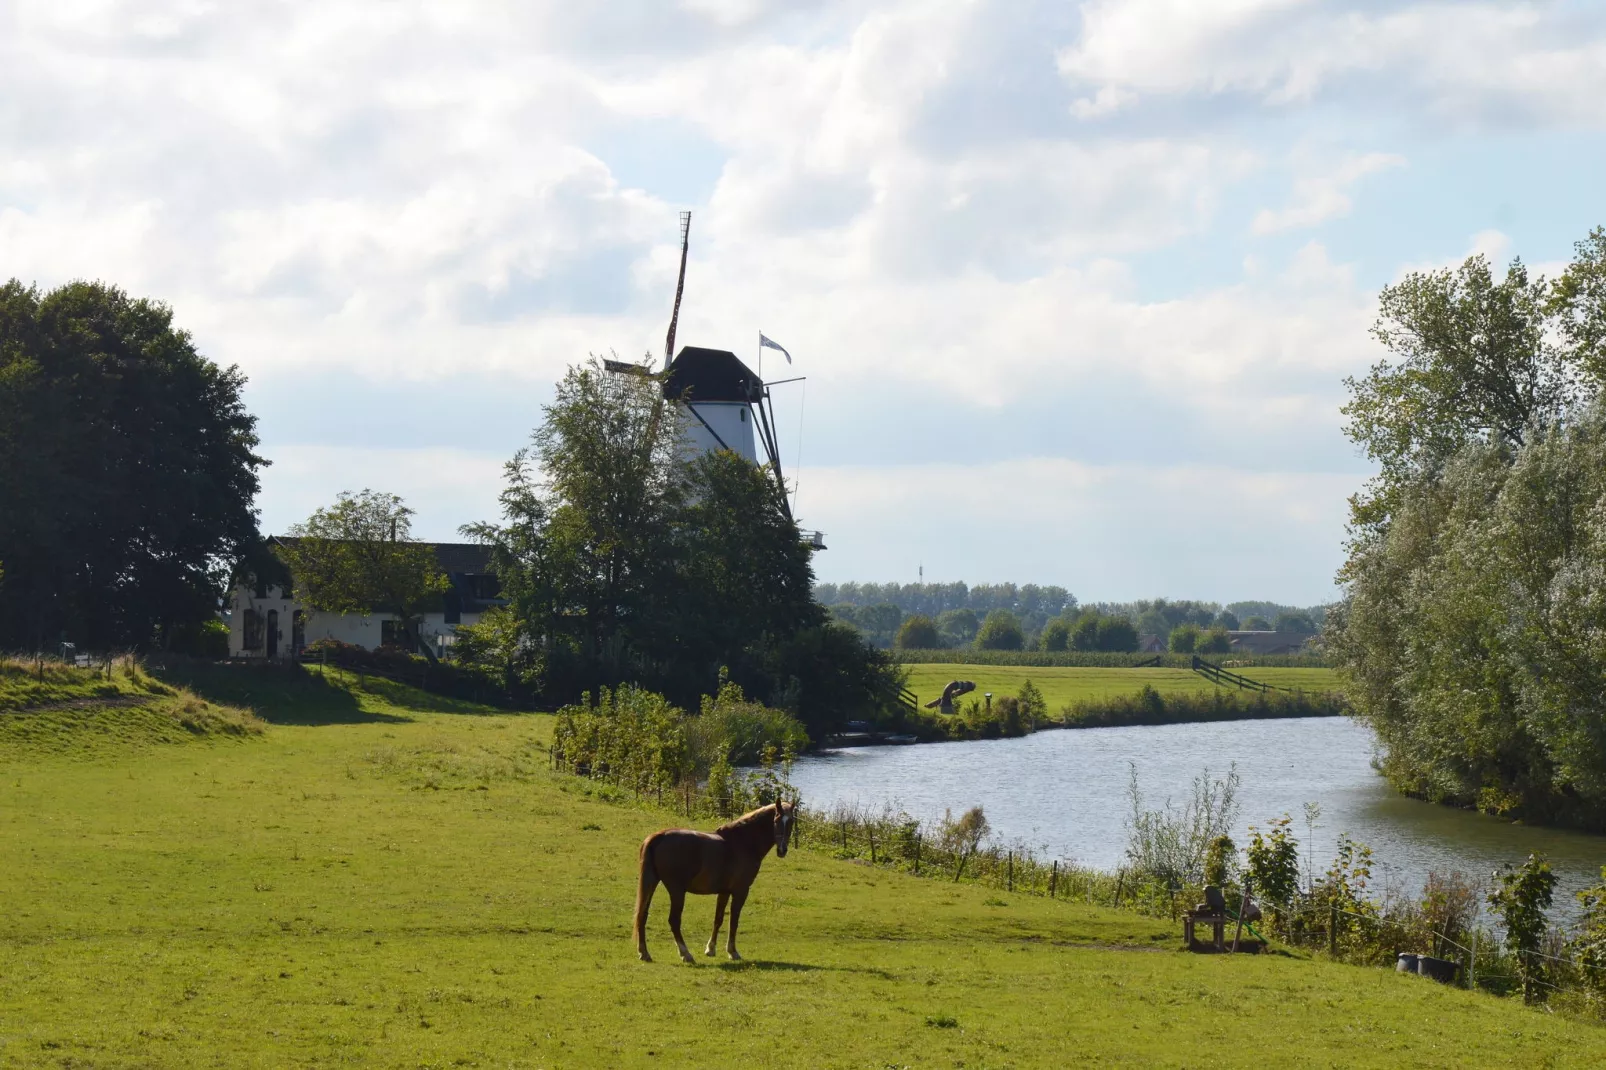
x: 644, y: 889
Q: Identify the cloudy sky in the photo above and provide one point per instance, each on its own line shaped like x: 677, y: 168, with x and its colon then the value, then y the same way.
x: 1074, y: 285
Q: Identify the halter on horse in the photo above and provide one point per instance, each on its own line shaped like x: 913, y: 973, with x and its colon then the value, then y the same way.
x: 723, y: 863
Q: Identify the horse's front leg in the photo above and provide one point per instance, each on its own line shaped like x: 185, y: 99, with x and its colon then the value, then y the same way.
x: 719, y: 916
x: 738, y: 897
x: 677, y: 901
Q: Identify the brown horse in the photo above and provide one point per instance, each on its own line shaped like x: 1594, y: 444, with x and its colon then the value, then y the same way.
x: 723, y: 863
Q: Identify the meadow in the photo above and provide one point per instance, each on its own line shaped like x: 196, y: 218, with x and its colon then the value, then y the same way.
x: 385, y: 878
x: 1062, y: 686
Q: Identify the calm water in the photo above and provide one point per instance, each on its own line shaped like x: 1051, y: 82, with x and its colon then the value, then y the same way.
x: 1064, y: 793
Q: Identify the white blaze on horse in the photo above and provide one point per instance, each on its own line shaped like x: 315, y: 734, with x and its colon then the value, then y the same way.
x: 723, y: 863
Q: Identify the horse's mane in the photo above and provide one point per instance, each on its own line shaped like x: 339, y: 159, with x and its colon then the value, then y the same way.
x: 749, y: 819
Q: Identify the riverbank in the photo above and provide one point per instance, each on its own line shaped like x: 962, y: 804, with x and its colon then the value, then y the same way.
x: 377, y: 881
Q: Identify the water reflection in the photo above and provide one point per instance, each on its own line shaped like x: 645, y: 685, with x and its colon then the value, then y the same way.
x: 1064, y: 792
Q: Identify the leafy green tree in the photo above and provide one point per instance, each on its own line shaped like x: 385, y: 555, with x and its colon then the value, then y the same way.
x: 1477, y: 360
x: 1521, y: 897
x: 1085, y: 632
x: 359, y: 556
x: 1295, y: 623
x: 958, y: 626
x: 128, y: 471
x: 880, y: 622
x: 1056, y: 636
x: 1227, y: 620
x: 1030, y: 699
x: 1257, y: 624
x: 918, y: 632
x: 1215, y: 641
x: 1116, y: 634
x: 962, y: 836
x: 1000, y: 631
x: 1184, y: 639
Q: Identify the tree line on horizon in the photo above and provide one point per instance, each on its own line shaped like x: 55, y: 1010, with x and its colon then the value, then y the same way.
x: 1185, y: 626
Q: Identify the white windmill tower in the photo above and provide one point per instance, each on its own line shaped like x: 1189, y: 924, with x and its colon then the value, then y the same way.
x: 726, y: 405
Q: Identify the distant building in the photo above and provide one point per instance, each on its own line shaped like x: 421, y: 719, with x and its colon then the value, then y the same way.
x: 265, y: 622
x: 1151, y: 644
x: 721, y: 398
x: 1262, y: 643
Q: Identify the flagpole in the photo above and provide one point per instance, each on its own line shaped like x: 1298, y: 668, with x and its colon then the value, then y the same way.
x: 761, y: 356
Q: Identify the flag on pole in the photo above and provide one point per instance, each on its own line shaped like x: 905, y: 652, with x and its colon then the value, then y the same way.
x: 765, y: 343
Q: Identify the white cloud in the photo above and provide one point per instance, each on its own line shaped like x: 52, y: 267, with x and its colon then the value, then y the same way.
x: 966, y: 201
x: 1320, y: 197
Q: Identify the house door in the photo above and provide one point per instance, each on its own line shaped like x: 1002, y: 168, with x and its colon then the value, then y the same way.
x: 273, y: 633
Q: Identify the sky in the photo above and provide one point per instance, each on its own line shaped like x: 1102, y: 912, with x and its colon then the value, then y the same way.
x: 1074, y: 286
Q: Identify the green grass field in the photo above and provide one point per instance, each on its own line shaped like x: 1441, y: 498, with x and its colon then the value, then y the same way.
x: 383, y: 879
x: 1062, y: 686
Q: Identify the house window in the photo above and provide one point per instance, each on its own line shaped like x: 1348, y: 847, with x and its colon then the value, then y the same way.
x: 253, y: 631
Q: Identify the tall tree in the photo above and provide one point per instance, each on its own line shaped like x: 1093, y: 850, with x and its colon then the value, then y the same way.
x: 128, y: 471
x: 358, y: 556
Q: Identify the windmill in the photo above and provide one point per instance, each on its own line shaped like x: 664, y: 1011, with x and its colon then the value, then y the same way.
x: 727, y: 405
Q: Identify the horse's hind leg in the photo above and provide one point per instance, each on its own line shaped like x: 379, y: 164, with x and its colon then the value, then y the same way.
x: 719, y: 916
x: 644, y: 889
x: 677, y: 900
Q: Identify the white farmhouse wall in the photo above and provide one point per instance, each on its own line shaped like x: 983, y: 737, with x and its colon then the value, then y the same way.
x: 357, y: 629
x: 732, y: 420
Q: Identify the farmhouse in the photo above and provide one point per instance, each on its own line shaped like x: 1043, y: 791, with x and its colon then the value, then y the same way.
x: 265, y: 622
x: 1267, y: 642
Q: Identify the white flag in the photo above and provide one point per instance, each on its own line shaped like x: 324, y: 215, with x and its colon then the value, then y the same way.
x: 765, y: 343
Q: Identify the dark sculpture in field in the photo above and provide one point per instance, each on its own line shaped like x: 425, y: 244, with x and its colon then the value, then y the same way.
x: 723, y: 863
x: 954, y: 689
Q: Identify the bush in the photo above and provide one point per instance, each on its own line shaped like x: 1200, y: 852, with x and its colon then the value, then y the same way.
x: 1273, y: 867
x: 918, y: 632
x: 1214, y: 641
x: 1056, y: 636
x: 729, y: 724
x: 1000, y: 631
x: 1184, y: 639
x: 1172, y: 844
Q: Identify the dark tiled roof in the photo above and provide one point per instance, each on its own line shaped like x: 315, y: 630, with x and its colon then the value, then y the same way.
x: 711, y: 375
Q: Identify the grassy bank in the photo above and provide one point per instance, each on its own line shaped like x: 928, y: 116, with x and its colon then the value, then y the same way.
x: 49, y: 707
x: 1065, y: 686
x: 377, y: 880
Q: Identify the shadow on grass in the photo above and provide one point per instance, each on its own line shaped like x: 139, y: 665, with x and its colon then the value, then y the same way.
x: 761, y: 966
x: 279, y: 694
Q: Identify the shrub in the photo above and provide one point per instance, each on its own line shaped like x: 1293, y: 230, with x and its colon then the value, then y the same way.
x: 1000, y: 631
x: 918, y: 632
x: 1184, y: 639
x: 1214, y: 641
x: 1221, y: 859
x: 1521, y: 898
x: 729, y: 723
x: 962, y: 836
x: 1171, y: 844
x: 1056, y: 636
x: 1273, y: 866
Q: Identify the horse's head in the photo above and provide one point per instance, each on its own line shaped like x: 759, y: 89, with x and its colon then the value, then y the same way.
x: 785, y: 814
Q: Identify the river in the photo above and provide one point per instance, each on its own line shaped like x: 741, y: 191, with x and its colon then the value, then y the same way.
x: 1064, y: 794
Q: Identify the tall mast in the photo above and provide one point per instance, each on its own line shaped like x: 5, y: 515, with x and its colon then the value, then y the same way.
x: 680, y: 287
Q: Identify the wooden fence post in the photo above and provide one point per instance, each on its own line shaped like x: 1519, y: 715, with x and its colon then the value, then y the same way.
x: 1010, y: 885
x: 870, y: 831
x: 1053, y: 878
x: 1120, y: 880
x: 918, y: 839
x: 1332, y: 929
